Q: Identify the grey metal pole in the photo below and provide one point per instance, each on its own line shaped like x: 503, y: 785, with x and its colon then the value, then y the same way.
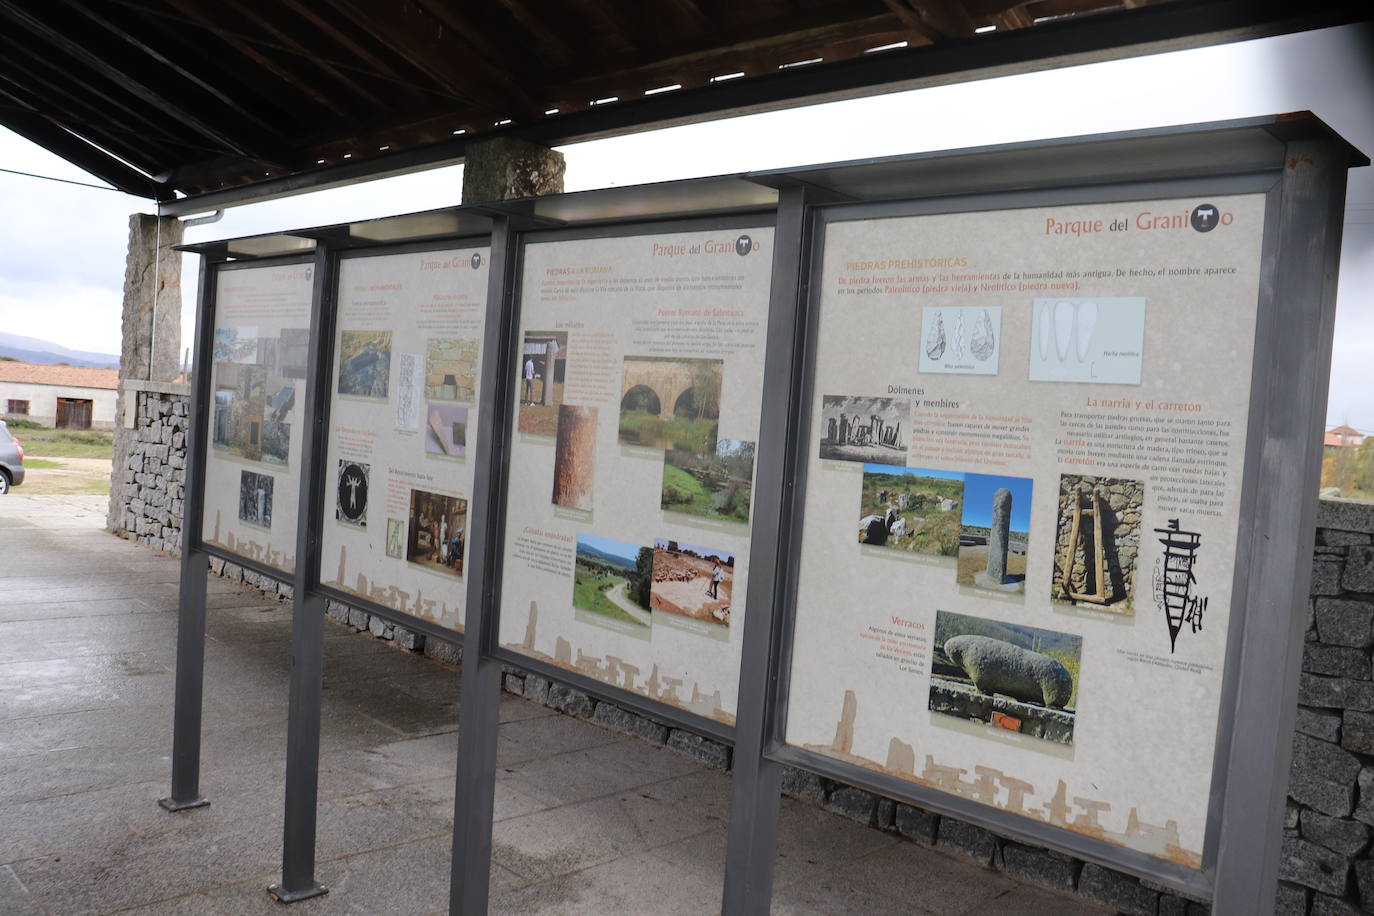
x: 195, y: 567
x: 307, y: 613
x: 757, y: 781
x: 1292, y: 379
x: 475, y: 797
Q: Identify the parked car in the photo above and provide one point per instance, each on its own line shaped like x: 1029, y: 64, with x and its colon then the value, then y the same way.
x: 11, y: 460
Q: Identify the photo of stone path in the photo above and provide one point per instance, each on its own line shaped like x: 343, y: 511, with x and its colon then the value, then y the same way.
x: 611, y: 578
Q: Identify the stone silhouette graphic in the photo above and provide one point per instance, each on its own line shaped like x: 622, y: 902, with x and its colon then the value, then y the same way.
x: 984, y: 340
x: 997, y: 666
x: 935, y: 340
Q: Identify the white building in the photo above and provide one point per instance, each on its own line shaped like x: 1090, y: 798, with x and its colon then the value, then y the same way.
x: 72, y: 397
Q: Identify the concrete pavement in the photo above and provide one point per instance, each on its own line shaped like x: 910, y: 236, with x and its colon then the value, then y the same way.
x: 588, y: 820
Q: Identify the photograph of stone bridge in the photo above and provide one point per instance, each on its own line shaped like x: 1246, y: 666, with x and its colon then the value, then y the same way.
x: 670, y: 403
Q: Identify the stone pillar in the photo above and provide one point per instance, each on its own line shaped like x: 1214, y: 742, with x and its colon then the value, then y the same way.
x: 999, y: 538
x: 504, y: 167
x: 151, y: 347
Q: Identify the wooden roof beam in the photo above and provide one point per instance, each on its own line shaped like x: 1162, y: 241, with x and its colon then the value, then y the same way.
x: 159, y: 99
x: 427, y: 54
x: 533, y: 23
x: 249, y: 14
x: 79, y: 152
x: 934, y: 20
x: 247, y: 50
x: 185, y: 73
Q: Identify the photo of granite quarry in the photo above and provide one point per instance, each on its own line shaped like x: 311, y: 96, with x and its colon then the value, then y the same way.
x: 1007, y: 676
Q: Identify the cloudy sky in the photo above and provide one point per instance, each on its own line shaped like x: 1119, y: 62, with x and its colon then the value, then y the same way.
x: 62, y: 246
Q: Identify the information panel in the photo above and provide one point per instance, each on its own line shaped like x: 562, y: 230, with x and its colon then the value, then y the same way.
x: 253, y: 456
x: 1027, y: 442
x: 639, y: 387
x: 402, y: 424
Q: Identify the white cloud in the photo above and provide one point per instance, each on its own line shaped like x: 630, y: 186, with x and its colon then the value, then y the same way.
x: 90, y: 315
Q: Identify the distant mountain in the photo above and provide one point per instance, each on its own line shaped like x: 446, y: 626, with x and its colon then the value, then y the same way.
x: 45, y: 352
x: 591, y: 554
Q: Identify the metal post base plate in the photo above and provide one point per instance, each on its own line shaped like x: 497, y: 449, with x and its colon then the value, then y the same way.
x: 171, y: 804
x: 281, y: 895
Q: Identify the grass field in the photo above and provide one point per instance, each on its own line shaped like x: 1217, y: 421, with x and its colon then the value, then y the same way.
x: 43, y: 442
x: 589, y: 594
x: 638, y: 427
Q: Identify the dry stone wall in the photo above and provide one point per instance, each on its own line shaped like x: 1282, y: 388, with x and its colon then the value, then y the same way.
x: 153, y: 472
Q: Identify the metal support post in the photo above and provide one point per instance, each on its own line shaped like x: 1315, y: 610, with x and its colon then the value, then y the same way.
x: 757, y: 781
x: 481, y: 678
x: 307, y: 613
x: 195, y: 567
x: 1288, y: 404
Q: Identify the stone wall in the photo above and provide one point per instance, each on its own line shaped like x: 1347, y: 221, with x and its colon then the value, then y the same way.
x: 1327, y: 866
x: 149, y: 481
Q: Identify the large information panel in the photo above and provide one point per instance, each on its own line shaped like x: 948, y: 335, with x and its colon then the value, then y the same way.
x: 639, y: 385
x: 402, y: 424
x: 1026, y: 449
x: 257, y: 389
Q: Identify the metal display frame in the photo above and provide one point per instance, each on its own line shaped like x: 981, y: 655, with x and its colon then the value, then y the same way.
x: 1250, y: 764
x: 1295, y: 160
x: 392, y: 615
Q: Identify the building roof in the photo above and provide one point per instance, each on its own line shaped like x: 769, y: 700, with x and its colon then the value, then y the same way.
x: 225, y: 102
x: 1343, y: 437
x: 66, y: 376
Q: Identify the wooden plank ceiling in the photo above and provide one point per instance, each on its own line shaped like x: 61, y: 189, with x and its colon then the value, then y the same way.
x: 203, y: 95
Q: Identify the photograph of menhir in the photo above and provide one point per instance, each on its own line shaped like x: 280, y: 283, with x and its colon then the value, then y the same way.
x: 716, y: 484
x: 917, y: 510
x: 995, y: 532
x: 255, y: 498
x: 694, y: 582
x: 435, y: 531
x: 574, y: 457
x: 612, y: 578
x: 1010, y: 677
x: 364, y: 363
x: 446, y: 430
x: 670, y: 403
x: 542, y: 368
x: 450, y: 369
x: 1097, y: 542
x: 865, y: 429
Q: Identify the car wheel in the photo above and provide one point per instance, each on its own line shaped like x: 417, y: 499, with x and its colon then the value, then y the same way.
x: 4, y: 483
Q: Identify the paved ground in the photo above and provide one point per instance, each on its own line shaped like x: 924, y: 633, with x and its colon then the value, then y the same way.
x: 589, y: 821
